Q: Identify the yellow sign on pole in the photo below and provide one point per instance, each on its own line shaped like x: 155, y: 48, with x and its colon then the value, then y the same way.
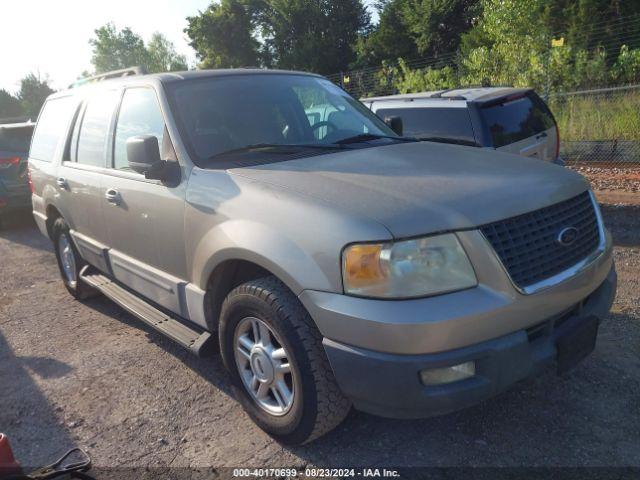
x: 346, y: 79
x: 557, y: 42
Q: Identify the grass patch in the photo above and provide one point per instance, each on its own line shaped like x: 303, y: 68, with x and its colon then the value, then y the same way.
x: 613, y: 116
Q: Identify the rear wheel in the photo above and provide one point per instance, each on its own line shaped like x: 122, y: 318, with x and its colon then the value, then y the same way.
x: 70, y: 262
x: 278, y: 367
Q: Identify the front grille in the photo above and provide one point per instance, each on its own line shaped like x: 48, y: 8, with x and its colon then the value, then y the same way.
x: 527, y: 244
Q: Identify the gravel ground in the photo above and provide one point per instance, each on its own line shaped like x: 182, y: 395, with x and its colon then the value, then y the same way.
x: 90, y: 375
x: 611, y: 178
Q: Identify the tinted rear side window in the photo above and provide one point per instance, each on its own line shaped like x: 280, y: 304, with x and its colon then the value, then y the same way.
x: 92, y: 141
x: 15, y: 139
x: 516, y: 119
x: 52, y: 126
x: 437, y: 124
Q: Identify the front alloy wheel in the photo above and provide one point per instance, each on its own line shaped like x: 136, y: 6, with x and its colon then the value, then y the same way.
x: 263, y: 364
x: 277, y: 364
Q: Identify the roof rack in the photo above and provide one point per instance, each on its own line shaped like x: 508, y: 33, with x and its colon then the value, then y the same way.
x: 455, y: 97
x: 125, y: 72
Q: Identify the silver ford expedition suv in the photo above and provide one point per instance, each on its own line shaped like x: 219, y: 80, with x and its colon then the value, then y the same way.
x: 334, y: 263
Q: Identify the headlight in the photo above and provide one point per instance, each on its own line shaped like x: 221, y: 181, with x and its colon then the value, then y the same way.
x: 411, y: 268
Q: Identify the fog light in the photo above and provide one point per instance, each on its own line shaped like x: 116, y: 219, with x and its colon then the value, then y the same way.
x: 455, y: 373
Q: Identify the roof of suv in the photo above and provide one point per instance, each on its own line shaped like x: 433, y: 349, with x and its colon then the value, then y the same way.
x: 169, y: 77
x: 463, y: 94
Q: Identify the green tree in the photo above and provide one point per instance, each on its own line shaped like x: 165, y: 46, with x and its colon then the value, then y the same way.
x: 593, y: 24
x: 511, y: 43
x: 116, y: 49
x: 33, y: 92
x: 390, y: 39
x: 222, y: 35
x: 412, y: 28
x: 315, y: 35
x: 9, y: 105
x: 437, y: 25
x: 162, y: 55
x: 406, y: 80
x: 627, y: 66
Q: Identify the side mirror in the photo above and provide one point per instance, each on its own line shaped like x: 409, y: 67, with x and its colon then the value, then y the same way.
x: 395, y: 123
x: 142, y: 152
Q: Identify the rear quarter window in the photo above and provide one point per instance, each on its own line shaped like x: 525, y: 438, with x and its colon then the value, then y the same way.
x: 51, y: 128
x: 514, y: 120
x: 451, y: 125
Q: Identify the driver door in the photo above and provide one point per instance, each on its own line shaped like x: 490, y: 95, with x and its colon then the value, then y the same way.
x: 144, y: 218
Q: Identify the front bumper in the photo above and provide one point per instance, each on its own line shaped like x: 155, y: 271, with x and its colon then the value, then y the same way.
x: 389, y: 385
x: 440, y: 323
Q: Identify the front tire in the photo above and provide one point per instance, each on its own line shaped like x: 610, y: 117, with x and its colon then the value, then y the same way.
x: 279, y: 370
x: 70, y: 262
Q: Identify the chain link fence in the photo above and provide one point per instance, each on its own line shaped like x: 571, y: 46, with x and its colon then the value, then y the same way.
x: 599, y: 128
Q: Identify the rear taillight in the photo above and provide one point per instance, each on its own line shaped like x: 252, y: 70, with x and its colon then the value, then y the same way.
x: 30, y: 182
x: 9, y: 162
x: 557, y: 143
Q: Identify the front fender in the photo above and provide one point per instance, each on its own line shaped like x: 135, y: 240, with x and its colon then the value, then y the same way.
x: 264, y: 246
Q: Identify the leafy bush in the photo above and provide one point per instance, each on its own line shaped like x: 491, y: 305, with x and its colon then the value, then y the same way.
x: 627, y: 66
x: 405, y: 80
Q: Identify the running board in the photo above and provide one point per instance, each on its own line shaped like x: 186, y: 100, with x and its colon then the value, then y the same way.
x: 197, y: 341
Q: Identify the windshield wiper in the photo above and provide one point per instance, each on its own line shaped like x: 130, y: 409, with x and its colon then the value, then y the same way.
x: 260, y: 146
x: 363, y: 137
x: 454, y: 141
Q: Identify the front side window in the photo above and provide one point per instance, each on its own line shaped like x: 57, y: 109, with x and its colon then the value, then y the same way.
x: 230, y: 113
x: 139, y: 114
x: 52, y: 125
x: 94, y: 129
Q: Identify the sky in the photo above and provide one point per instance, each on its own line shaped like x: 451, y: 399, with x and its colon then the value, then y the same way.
x: 50, y: 38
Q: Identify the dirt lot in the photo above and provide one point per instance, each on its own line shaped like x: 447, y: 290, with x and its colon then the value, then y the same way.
x: 91, y: 375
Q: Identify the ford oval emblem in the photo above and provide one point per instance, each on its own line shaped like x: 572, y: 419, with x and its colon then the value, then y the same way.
x: 567, y: 236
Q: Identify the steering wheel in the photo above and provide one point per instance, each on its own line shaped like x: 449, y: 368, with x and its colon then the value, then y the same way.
x: 324, y: 123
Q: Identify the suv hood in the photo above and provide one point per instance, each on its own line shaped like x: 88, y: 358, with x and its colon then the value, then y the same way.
x: 421, y: 188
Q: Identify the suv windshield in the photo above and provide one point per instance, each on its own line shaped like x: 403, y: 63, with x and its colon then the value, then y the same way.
x: 236, y: 112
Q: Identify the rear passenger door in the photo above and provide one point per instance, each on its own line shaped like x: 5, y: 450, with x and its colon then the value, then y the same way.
x: 79, y: 179
x: 144, y: 218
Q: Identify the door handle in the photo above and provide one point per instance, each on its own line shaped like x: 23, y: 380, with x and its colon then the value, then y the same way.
x: 542, y: 135
x: 62, y: 183
x: 113, y: 196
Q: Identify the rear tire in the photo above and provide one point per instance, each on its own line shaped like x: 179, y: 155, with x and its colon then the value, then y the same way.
x: 317, y: 405
x: 70, y: 262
